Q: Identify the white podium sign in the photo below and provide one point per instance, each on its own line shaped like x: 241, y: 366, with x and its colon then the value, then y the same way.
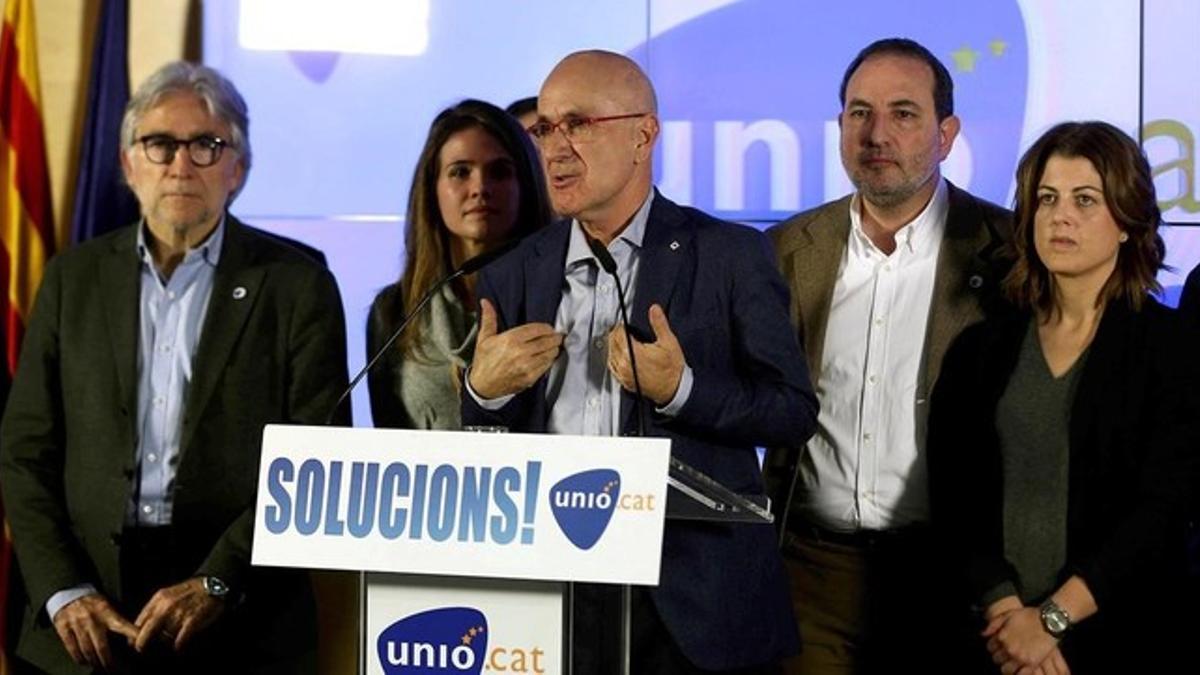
x: 462, y: 625
x: 519, y: 506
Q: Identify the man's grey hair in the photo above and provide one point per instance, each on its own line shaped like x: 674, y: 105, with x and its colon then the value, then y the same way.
x: 218, y: 93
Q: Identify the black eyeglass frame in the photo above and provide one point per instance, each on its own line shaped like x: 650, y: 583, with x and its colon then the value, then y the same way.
x: 202, y: 143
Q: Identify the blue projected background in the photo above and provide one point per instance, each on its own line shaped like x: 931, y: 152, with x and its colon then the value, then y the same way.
x: 340, y: 101
x: 762, y: 110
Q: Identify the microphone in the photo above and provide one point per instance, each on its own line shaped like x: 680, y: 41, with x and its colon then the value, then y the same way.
x: 469, y: 267
x: 481, y: 261
x: 610, y: 266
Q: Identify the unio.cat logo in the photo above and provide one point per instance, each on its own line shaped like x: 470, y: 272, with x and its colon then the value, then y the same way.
x: 583, y: 504
x: 444, y: 640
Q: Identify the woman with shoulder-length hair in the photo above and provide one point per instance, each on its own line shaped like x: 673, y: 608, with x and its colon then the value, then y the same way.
x: 478, y: 184
x: 1062, y: 431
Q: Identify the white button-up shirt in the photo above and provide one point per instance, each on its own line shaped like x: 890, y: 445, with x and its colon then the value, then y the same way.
x: 865, y: 467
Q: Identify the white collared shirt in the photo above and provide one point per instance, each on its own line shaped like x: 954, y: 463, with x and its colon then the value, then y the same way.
x: 865, y: 467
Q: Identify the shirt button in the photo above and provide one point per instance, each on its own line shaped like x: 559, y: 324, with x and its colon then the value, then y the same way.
x: 159, y: 400
x: 887, y: 268
x: 871, y: 379
x: 592, y: 402
x: 598, y: 343
x: 171, y: 294
x: 152, y: 457
x: 879, y: 321
x: 867, y: 438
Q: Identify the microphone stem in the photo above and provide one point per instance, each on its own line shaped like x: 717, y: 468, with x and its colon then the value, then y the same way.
x: 414, y: 312
x: 637, y: 384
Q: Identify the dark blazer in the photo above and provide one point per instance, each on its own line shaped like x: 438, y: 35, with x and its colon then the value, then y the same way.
x: 1189, y: 299
x: 276, y: 353
x: 1132, y: 461
x: 383, y: 380
x: 971, y: 263
x: 722, y: 594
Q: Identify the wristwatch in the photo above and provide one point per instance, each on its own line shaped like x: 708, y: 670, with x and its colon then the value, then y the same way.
x: 1055, y: 619
x: 215, y: 587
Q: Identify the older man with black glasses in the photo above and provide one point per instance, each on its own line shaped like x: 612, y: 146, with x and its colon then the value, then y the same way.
x: 130, y: 443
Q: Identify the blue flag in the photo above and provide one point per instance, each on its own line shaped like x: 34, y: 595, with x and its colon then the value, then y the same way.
x: 102, y: 200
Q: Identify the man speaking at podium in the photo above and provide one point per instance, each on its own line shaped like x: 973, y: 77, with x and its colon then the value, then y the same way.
x: 716, y: 357
x: 131, y: 439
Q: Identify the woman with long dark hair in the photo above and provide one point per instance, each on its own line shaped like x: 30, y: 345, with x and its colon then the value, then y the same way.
x: 478, y: 184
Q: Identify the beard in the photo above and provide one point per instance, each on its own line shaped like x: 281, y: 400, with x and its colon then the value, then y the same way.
x: 885, y: 195
x: 895, y: 184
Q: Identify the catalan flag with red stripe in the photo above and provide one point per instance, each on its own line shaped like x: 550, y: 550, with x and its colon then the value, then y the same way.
x: 27, y: 237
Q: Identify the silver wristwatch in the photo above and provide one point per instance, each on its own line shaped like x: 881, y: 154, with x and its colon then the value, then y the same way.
x: 215, y: 587
x: 1055, y: 619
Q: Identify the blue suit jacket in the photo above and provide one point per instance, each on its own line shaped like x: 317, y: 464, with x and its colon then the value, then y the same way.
x: 722, y: 594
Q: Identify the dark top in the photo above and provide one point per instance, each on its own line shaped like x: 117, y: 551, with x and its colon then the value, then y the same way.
x: 1189, y: 299
x: 1032, y: 422
x: 1133, y: 433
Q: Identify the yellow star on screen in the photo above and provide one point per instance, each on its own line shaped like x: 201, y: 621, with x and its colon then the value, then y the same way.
x: 466, y: 639
x: 964, y: 59
x: 998, y: 47
x: 473, y: 632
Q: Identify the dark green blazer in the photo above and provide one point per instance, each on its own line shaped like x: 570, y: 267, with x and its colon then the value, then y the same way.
x: 273, y: 353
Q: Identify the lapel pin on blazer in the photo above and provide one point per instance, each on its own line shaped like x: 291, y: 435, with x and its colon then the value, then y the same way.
x: 976, y: 281
x: 674, y: 246
x: 239, y: 292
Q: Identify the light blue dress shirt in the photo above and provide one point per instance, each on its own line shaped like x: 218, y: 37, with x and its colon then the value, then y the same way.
x: 171, y: 316
x: 582, y: 396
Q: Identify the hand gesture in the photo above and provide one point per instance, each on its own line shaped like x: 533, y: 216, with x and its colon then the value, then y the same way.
x: 510, y: 362
x: 660, y: 363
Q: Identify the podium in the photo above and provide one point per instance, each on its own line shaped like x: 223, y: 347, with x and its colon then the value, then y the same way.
x: 693, y: 495
x: 467, y: 544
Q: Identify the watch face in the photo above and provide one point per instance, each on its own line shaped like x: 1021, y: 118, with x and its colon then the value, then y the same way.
x: 1055, y: 620
x: 215, y: 587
